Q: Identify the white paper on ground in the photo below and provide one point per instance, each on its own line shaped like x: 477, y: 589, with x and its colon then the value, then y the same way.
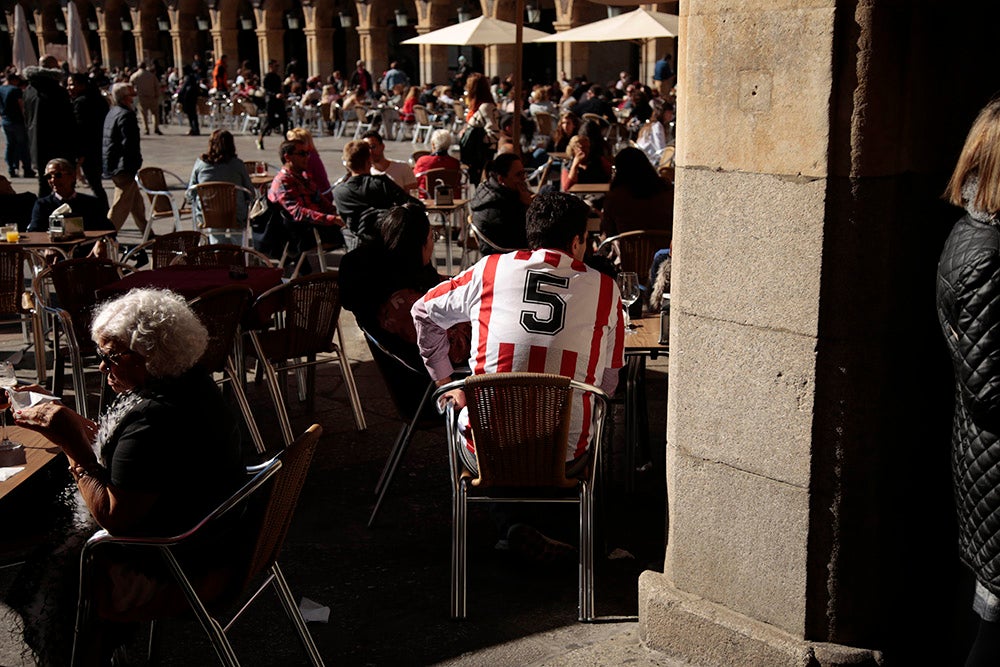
x: 7, y: 473
x: 314, y: 611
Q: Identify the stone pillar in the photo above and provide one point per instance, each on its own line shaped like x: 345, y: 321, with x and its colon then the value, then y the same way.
x: 111, y: 40
x: 807, y: 448
x: 183, y: 49
x: 374, y: 47
x: 498, y: 60
x: 571, y: 57
x: 319, y: 44
x: 270, y: 42
x: 139, y: 35
x: 433, y: 62
x: 224, y: 39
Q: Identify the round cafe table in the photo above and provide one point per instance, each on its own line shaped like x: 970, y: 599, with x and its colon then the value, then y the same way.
x: 193, y: 281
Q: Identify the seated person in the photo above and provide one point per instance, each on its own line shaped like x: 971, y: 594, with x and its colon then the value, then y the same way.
x: 61, y: 175
x: 575, y: 330
x: 397, y: 170
x: 583, y: 164
x: 379, y: 282
x: 500, y: 204
x: 303, y: 203
x: 15, y: 207
x: 314, y: 165
x: 438, y: 158
x: 360, y: 198
x: 221, y: 163
x: 638, y: 198
x: 134, y: 471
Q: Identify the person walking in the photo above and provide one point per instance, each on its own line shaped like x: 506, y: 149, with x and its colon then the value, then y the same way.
x: 89, y: 111
x: 47, y: 114
x: 122, y: 158
x: 968, y: 290
x: 188, y: 95
x: 274, y: 96
x: 147, y: 89
x: 14, y: 129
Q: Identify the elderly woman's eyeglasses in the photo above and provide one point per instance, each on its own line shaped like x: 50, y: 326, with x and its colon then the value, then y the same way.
x: 112, y: 358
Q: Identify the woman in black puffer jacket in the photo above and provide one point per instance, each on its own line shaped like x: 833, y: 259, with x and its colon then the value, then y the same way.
x: 968, y: 303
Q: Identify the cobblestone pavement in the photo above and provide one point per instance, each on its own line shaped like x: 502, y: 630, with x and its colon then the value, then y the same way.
x: 387, y: 587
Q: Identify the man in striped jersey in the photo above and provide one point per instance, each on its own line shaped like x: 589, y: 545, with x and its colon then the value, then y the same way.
x: 538, y: 310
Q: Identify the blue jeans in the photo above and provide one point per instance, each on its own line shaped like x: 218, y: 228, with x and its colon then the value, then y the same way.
x: 17, y: 147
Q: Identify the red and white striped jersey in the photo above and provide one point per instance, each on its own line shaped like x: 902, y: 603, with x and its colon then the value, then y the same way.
x: 538, y: 311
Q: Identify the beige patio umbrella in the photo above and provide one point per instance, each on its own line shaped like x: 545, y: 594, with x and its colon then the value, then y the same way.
x: 23, y: 52
x: 486, y: 31
x: 640, y: 24
x: 483, y: 31
x: 77, y: 52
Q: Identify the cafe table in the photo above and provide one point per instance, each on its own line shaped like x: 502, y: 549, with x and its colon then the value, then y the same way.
x: 39, y: 452
x: 453, y: 216
x: 192, y: 281
x: 38, y: 240
x: 641, y: 342
x: 590, y: 188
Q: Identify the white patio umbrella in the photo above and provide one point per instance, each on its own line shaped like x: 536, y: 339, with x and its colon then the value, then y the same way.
x: 77, y: 52
x: 640, y: 24
x: 483, y: 31
x: 24, y: 53
x: 486, y: 31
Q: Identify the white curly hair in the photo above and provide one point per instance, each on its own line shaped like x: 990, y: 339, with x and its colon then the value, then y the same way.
x: 158, y: 324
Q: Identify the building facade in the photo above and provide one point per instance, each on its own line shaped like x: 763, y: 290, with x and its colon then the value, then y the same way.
x: 322, y: 36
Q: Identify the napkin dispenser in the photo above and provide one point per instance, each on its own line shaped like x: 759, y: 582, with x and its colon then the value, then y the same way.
x: 12, y: 456
x: 64, y: 225
x: 443, y: 195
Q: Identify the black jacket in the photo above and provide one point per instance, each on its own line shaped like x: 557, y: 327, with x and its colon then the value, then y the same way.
x: 90, y: 208
x: 121, y: 142
x: 499, y: 213
x: 968, y: 303
x: 359, y: 197
x: 48, y: 115
x: 89, y: 110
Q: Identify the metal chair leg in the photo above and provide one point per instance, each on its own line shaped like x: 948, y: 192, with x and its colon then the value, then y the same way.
x: 586, y: 603
x: 288, y: 602
x: 244, y: 403
x: 352, y: 387
x: 458, y: 551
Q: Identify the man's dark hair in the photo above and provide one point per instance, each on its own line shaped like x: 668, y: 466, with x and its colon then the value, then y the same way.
x: 501, y: 164
x: 287, y: 148
x: 554, y: 219
x: 373, y: 134
x: 596, y: 90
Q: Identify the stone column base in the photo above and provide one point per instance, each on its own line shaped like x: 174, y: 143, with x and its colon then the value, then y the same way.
x: 704, y: 634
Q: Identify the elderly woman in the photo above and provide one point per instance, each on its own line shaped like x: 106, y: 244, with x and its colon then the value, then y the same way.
x: 438, y: 158
x: 163, y: 455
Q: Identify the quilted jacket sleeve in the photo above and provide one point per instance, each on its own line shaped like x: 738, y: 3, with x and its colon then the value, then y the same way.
x: 975, y: 338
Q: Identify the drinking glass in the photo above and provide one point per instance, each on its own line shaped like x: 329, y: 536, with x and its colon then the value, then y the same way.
x: 261, y: 168
x: 628, y: 285
x: 8, y: 379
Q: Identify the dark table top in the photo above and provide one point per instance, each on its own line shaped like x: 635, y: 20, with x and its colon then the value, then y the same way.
x: 193, y: 281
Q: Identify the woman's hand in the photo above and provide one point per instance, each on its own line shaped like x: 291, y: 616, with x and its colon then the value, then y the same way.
x: 71, y: 431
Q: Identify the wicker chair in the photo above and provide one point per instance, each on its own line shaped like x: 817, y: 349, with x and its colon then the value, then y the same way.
x: 217, y: 209
x: 264, y: 508
x: 224, y: 254
x: 164, y: 199
x: 67, y: 292
x: 521, y: 422
x: 165, y: 249
x: 221, y: 310
x: 12, y: 290
x: 633, y: 251
x: 423, y: 124
x: 303, y: 317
